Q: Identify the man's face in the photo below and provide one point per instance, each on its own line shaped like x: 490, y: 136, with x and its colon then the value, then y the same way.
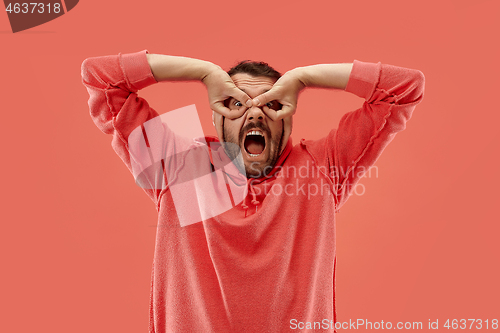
x: 255, y: 133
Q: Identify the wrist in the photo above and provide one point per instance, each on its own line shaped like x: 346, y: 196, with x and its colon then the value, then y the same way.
x: 306, y: 75
x: 300, y: 76
x: 207, y: 68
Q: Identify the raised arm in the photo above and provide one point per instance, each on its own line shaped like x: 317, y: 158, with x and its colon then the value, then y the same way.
x: 115, y: 107
x: 288, y: 87
x: 219, y: 85
x: 391, y: 94
x: 113, y: 83
x: 113, y: 80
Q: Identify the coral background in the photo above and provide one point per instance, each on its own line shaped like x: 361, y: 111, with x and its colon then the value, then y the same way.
x: 420, y: 243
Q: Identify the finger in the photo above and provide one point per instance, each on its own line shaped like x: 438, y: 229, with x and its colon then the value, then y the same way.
x: 240, y: 95
x: 286, y: 111
x: 270, y: 113
x: 242, y: 109
x: 265, y: 98
x: 226, y: 112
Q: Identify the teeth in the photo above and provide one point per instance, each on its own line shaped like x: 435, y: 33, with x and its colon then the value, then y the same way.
x: 254, y: 133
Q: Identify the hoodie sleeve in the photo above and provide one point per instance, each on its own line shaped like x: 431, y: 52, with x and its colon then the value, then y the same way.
x: 391, y: 94
x: 112, y: 83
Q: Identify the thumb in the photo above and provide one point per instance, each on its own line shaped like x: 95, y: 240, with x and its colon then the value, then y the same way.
x: 265, y: 98
x: 240, y: 95
x: 220, y: 108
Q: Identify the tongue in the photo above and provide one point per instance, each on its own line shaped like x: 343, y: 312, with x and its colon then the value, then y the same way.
x: 254, y: 147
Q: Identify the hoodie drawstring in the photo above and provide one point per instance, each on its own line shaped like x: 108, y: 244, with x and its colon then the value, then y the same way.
x: 254, y: 201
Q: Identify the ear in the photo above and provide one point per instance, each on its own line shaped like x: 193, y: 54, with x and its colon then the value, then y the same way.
x: 213, y: 118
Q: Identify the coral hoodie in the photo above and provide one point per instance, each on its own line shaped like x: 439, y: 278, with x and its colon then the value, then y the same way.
x: 267, y: 264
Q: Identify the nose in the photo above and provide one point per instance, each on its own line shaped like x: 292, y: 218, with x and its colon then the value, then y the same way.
x: 255, y: 113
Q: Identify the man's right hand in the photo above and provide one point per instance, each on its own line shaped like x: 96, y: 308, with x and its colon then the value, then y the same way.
x: 219, y: 84
x: 221, y: 87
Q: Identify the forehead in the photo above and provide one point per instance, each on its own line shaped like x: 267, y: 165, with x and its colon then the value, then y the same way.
x: 253, y: 84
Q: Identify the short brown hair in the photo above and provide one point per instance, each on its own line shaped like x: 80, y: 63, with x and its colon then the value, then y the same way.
x: 255, y: 68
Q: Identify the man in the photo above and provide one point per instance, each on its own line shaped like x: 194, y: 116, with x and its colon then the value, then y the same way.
x: 268, y: 263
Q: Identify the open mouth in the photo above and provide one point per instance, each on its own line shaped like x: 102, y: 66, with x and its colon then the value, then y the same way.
x: 255, y: 143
